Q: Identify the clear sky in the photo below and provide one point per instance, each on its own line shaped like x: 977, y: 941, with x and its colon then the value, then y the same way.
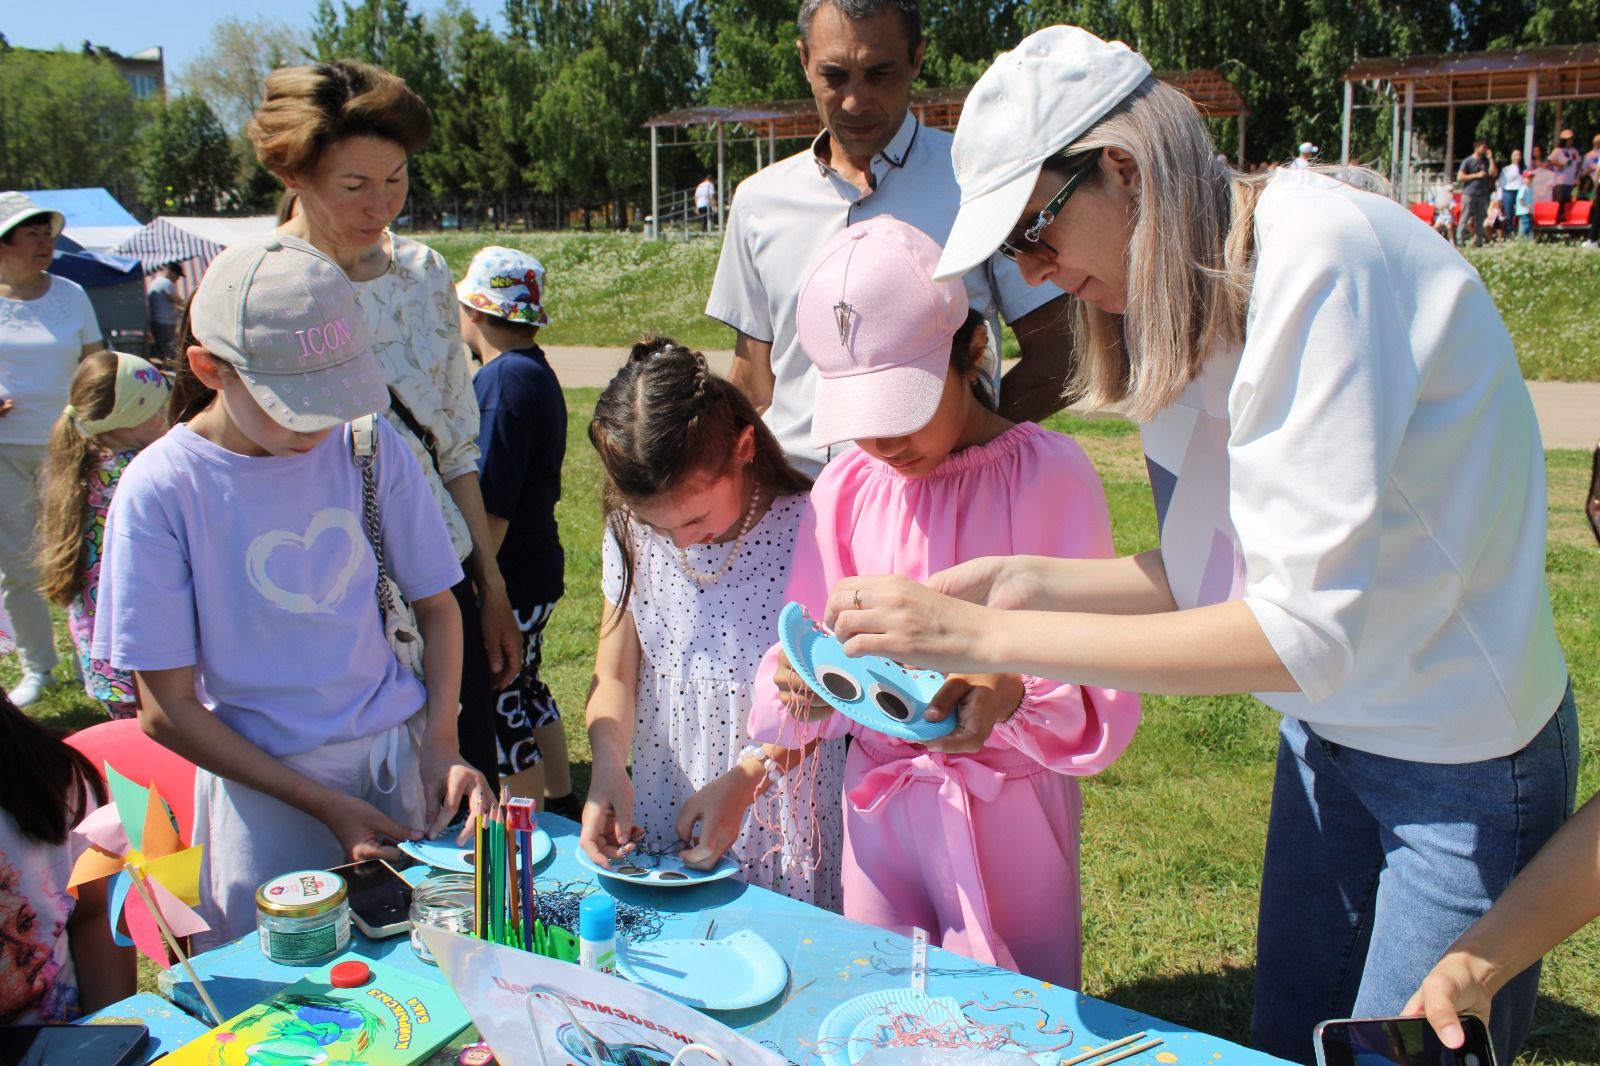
x: 182, y: 27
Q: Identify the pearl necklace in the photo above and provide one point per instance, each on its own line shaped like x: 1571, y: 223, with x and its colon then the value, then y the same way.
x: 705, y: 580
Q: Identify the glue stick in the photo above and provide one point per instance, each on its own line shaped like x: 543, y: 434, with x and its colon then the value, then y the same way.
x: 597, y: 933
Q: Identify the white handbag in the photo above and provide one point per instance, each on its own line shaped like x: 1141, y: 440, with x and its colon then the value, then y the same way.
x: 399, y: 620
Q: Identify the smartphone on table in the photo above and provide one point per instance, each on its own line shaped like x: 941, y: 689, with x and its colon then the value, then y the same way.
x: 1399, y: 1042
x: 72, y: 1045
x: 380, y: 899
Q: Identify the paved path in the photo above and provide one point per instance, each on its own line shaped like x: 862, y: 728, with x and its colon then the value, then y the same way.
x: 1569, y: 412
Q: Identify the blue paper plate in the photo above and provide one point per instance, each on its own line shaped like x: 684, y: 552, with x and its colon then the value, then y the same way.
x: 666, y: 871
x: 733, y: 973
x: 873, y: 691
x: 854, y: 1028
x: 443, y: 853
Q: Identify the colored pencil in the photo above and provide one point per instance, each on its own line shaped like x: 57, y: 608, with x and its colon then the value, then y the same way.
x: 529, y: 910
x: 480, y: 881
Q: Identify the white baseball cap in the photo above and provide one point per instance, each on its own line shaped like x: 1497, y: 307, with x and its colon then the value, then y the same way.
x: 1307, y: 148
x: 286, y: 318
x: 1030, y: 104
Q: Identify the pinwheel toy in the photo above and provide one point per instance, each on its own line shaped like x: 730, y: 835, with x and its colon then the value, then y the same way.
x: 134, y: 840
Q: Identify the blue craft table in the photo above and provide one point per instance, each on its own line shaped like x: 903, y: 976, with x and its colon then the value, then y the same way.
x: 830, y: 960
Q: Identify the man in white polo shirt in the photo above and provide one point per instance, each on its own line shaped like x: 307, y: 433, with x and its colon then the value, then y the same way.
x: 873, y: 158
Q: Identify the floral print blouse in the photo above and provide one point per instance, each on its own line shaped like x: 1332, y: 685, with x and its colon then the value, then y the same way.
x: 101, y: 681
x: 411, y: 314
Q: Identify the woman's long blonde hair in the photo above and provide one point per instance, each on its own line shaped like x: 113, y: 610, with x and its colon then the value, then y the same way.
x: 1191, y: 257
x: 63, y: 503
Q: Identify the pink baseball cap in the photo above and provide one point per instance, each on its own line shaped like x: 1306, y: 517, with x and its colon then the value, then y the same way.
x: 878, y: 329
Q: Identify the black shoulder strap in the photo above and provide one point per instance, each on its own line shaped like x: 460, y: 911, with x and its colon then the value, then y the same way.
x: 398, y: 406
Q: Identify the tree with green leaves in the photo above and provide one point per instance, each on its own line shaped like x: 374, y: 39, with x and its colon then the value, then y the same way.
x: 66, y: 121
x: 186, y: 161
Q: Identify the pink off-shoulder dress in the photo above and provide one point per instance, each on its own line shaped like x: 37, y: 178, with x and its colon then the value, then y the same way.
x: 981, y: 850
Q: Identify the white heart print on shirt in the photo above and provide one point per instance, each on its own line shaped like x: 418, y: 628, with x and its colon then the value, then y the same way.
x: 326, y: 521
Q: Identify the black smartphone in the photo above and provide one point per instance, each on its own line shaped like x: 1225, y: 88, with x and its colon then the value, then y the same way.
x: 72, y: 1045
x: 1399, y: 1042
x: 380, y: 899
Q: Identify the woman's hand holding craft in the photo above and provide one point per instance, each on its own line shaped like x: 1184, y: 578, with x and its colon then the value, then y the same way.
x: 608, y: 831
x: 363, y: 831
x: 907, y: 622
x: 980, y: 702
x: 447, y: 781
x: 718, y: 810
x: 802, y: 703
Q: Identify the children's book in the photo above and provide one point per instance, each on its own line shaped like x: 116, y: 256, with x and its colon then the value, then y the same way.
x: 392, y: 1019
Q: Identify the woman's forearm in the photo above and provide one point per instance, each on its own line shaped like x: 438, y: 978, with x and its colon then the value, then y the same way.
x: 1204, y: 651
x: 439, y: 622
x: 1133, y: 584
x: 481, y: 563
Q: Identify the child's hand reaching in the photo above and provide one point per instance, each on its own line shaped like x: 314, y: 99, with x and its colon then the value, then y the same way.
x: 718, y: 810
x: 363, y: 831
x: 608, y: 831
x: 447, y: 780
x: 979, y: 702
x: 800, y: 701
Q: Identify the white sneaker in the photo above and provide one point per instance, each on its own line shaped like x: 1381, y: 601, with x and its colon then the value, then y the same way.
x: 30, y: 688
x: 1591, y: 245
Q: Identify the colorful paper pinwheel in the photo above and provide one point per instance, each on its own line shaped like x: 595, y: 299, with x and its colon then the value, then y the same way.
x: 135, y: 840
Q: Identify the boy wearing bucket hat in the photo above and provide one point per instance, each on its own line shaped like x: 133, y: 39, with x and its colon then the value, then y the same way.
x: 937, y: 478
x: 46, y: 326
x: 522, y: 440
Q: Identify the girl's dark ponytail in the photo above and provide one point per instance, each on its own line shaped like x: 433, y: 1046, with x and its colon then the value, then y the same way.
x: 190, y: 395
x: 664, y: 417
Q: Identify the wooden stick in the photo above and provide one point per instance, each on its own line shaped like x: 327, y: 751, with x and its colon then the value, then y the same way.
x: 1125, y: 1053
x: 1098, y: 1051
x: 137, y: 877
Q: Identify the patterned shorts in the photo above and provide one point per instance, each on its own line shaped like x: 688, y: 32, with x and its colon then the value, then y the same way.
x: 526, y: 704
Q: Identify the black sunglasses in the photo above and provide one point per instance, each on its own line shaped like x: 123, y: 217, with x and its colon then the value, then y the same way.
x: 1029, y: 240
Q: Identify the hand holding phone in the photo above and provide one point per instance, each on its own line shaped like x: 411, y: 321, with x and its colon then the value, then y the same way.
x: 1399, y: 1042
x: 380, y: 899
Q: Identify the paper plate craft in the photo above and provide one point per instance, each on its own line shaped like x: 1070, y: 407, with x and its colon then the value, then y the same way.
x: 738, y: 971
x: 870, y: 690
x: 443, y: 853
x: 857, y: 1027
x: 657, y: 871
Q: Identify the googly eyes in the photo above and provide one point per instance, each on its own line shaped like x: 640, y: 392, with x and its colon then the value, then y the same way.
x: 839, y: 684
x: 632, y: 871
x: 891, y: 703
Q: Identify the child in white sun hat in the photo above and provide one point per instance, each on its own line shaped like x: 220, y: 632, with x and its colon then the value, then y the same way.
x: 938, y: 478
x: 1304, y: 360
x: 238, y: 584
x: 522, y: 440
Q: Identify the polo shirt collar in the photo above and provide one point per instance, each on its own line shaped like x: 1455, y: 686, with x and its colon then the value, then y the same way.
x: 895, y: 154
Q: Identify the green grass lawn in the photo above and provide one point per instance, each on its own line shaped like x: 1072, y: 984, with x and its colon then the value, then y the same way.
x: 1173, y: 832
x: 1549, y: 293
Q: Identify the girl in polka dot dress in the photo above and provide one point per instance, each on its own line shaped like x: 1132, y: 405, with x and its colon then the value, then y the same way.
x: 702, y: 510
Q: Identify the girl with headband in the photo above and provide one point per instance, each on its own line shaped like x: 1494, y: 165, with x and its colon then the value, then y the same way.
x: 118, y: 406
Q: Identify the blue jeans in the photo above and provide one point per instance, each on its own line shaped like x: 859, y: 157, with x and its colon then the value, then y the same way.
x: 1375, y: 865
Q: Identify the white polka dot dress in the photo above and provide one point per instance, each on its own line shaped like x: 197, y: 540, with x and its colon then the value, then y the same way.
x: 702, y: 645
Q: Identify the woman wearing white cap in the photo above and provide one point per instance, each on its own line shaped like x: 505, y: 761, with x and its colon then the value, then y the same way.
x: 46, y: 325
x: 1351, y: 496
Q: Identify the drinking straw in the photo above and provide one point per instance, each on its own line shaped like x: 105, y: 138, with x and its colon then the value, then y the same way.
x: 1096, y: 1052
x: 136, y: 875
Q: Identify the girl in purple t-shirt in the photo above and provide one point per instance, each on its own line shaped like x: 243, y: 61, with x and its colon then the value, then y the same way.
x: 239, y: 587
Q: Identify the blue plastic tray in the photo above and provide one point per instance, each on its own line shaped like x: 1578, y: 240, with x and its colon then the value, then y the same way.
x: 870, y: 690
x: 733, y: 973
x: 443, y: 853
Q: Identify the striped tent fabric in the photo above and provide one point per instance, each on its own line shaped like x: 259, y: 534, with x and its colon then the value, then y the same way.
x: 193, y: 242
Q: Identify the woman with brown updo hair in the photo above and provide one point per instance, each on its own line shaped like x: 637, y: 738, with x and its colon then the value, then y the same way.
x: 340, y: 137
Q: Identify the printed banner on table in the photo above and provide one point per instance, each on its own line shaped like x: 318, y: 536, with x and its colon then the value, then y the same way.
x: 575, y: 1013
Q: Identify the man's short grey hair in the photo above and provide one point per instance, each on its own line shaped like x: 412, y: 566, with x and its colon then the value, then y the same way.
x: 856, y: 10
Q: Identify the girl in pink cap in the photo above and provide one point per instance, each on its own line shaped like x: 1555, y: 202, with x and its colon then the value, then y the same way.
x: 932, y: 832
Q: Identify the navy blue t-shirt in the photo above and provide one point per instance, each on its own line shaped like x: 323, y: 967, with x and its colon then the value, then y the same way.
x: 523, y: 438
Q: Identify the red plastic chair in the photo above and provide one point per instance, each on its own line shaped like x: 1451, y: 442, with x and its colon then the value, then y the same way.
x: 1425, y: 212
x: 1578, y: 213
x: 1546, y: 213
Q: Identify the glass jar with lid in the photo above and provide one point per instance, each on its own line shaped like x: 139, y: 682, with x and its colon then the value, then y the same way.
x: 303, y: 918
x: 443, y: 901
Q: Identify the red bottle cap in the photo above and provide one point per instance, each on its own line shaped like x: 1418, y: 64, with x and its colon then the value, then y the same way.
x: 350, y: 974
x: 476, y: 1055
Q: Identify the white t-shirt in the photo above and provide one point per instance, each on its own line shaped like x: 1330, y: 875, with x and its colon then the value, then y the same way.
x: 783, y: 214
x: 703, y: 194
x: 1367, y: 475
x: 257, y: 571
x: 41, y: 341
x: 38, y: 984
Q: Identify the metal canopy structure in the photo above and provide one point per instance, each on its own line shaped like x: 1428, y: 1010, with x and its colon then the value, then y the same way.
x: 774, y: 120
x: 1473, y: 79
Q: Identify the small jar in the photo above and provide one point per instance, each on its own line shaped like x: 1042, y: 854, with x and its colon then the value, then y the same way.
x: 443, y: 901
x: 303, y: 917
